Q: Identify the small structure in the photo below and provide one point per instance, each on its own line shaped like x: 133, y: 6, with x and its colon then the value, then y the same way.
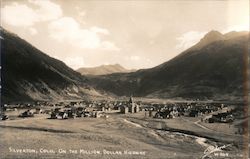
x: 57, y: 110
x: 103, y: 108
x: 193, y: 113
x: 53, y: 115
x: 131, y: 105
x: 221, y: 118
x: 124, y: 109
x: 98, y: 114
x: 27, y: 113
x: 62, y: 115
x: 80, y: 112
x: 38, y: 111
x: 71, y: 114
x: 150, y: 113
x: 241, y: 128
x: 3, y: 116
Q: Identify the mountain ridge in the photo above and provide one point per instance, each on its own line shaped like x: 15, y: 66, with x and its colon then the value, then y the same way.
x: 103, y: 70
x: 213, y: 71
x: 29, y: 74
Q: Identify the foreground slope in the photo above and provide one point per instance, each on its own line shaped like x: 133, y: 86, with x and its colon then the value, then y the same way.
x: 29, y: 74
x: 211, y: 69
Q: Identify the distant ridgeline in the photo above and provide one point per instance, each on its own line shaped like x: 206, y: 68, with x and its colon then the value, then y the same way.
x: 103, y: 70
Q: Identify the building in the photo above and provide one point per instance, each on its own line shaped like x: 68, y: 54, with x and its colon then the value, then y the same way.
x: 124, y: 109
x: 132, y: 107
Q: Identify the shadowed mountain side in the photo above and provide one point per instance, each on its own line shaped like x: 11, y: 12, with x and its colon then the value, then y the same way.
x: 29, y: 74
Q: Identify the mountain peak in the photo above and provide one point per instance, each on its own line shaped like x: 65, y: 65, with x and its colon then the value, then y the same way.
x: 213, y: 33
x: 234, y: 34
x: 212, y: 36
x: 114, y: 65
x: 118, y: 65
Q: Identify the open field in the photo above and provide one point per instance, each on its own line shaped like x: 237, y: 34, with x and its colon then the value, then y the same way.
x: 118, y: 136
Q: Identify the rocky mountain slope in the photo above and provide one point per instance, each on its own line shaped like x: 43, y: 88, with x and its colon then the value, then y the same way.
x: 211, y: 69
x: 29, y: 74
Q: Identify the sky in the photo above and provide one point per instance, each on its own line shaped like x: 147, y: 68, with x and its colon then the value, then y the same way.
x: 134, y: 33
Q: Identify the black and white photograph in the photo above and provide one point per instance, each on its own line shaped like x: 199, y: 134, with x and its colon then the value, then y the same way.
x: 124, y: 79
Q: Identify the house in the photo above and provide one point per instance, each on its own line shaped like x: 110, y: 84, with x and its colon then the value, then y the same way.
x: 38, y: 111
x: 3, y: 117
x: 103, y: 108
x: 87, y: 114
x: 57, y: 110
x: 71, y: 114
x: 99, y: 114
x: 224, y: 117
x: 174, y: 113
x: 73, y: 103
x: 47, y: 111
x: 124, y: 109
x: 151, y: 113
x: 53, y: 115
x: 241, y: 126
x: 62, y: 115
x: 27, y: 113
x: 116, y: 107
x: 193, y: 113
x: 206, y: 118
x: 221, y: 118
x: 80, y: 112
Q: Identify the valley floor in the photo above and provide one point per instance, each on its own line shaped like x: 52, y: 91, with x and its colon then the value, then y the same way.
x: 118, y: 136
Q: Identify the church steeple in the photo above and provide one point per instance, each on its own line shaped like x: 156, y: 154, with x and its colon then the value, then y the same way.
x: 131, y: 99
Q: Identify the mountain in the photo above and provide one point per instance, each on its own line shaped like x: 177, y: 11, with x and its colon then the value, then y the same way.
x: 214, y: 68
x: 103, y: 70
x: 211, y: 69
x: 28, y: 74
x: 209, y: 38
x: 213, y: 36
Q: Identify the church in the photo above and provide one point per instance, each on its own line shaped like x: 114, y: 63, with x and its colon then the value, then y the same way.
x: 130, y: 107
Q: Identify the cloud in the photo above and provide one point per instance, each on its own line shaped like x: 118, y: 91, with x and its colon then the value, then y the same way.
x: 47, y: 10
x: 18, y: 15
x: 99, y: 30
x: 82, y: 13
x: 107, y: 45
x: 67, y: 29
x: 32, y: 31
x: 188, y: 39
x: 135, y: 58
x: 21, y: 15
x: 74, y: 62
x: 62, y: 29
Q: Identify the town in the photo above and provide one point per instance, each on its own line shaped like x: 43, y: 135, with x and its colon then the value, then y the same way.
x: 213, y: 112
x: 124, y: 122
